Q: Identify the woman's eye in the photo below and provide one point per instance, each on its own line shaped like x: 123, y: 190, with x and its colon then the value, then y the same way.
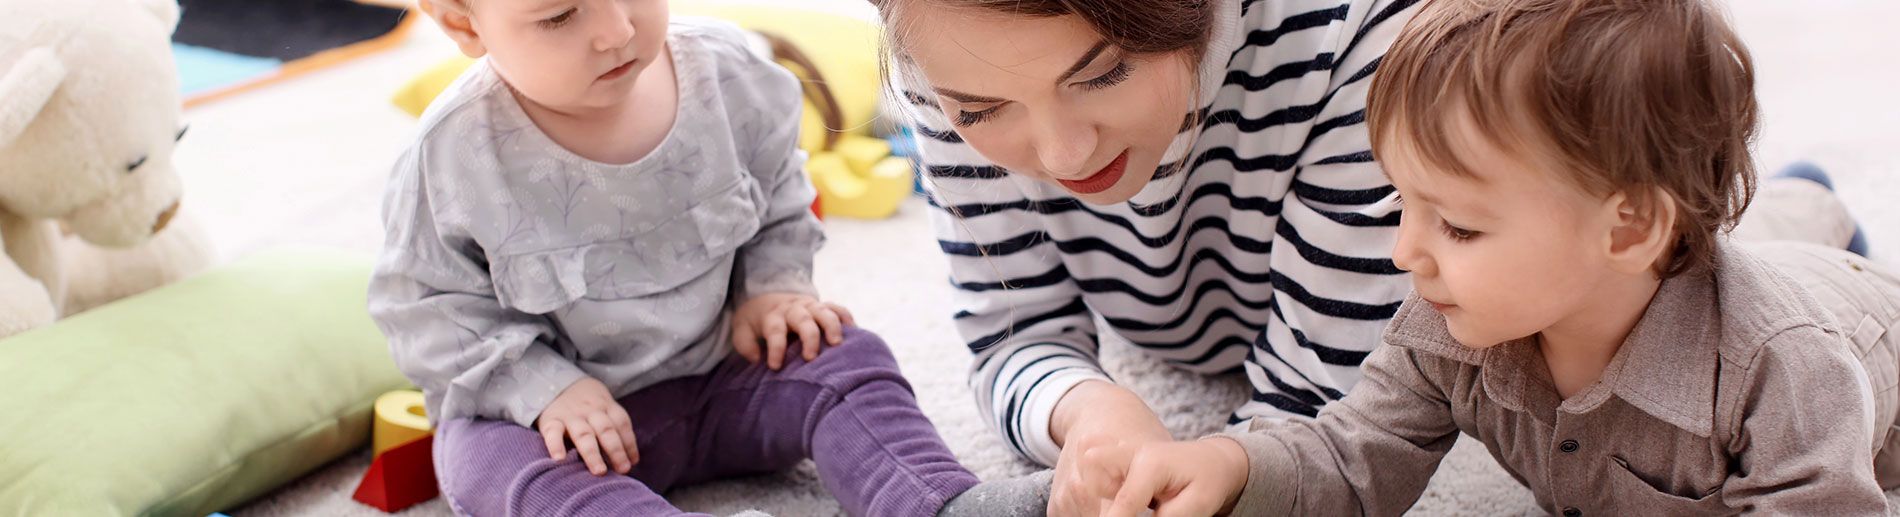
x: 1113, y: 77
x: 971, y: 118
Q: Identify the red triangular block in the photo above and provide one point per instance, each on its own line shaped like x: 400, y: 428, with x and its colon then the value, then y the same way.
x: 400, y: 477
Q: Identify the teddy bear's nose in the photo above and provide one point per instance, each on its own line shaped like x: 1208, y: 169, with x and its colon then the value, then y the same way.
x: 165, y: 218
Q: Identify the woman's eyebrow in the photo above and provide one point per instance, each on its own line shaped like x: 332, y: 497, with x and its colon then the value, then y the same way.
x: 1087, y: 57
x: 966, y: 98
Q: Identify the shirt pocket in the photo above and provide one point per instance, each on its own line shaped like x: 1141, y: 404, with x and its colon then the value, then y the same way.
x: 660, y: 259
x: 1634, y: 496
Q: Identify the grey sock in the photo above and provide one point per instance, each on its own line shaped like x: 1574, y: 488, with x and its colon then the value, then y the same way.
x: 1026, y: 496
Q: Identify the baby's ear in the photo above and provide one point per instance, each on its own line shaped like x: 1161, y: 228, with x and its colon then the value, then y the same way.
x: 453, y: 17
x: 25, y: 87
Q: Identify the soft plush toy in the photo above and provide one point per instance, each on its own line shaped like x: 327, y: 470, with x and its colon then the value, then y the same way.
x: 89, y: 114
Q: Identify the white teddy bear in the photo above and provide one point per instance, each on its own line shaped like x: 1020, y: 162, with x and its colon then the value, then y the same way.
x: 89, y: 114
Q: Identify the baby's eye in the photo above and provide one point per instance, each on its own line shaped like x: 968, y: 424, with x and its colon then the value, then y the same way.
x: 558, y: 20
x: 134, y: 167
x: 1456, y: 233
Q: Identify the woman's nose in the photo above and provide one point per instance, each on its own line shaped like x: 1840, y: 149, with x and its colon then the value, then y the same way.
x: 1064, y: 147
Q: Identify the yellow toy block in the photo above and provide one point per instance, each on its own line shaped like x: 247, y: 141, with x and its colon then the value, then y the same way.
x: 871, y: 194
x: 862, y: 153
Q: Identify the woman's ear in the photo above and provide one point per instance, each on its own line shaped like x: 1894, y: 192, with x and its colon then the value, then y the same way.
x: 453, y: 18
x: 1642, y: 232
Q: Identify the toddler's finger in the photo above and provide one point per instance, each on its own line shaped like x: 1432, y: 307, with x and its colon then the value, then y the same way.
x: 610, y: 442
x: 553, y: 434
x: 746, y: 342
x: 1189, y: 502
x: 807, y: 329
x: 849, y: 320
x: 624, y: 426
x: 1136, y: 492
x: 774, y: 330
x: 587, y: 445
x: 830, y: 323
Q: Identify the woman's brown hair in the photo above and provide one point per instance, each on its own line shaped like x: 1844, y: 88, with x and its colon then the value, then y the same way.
x: 1135, y: 26
x: 1629, y: 96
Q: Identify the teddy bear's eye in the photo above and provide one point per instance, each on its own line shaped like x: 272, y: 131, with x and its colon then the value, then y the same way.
x: 134, y: 167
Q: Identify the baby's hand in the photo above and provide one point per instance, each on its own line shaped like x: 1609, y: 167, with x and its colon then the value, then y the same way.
x: 588, y: 414
x: 769, y: 318
x: 1183, y: 478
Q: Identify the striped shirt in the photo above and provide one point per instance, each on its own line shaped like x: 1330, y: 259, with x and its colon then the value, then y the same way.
x: 1271, y: 253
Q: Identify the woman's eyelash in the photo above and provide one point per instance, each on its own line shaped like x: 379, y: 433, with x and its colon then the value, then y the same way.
x: 1113, y: 77
x: 971, y: 118
x: 558, y: 20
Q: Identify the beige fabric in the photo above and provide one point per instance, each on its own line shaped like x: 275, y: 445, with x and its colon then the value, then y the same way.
x: 1797, y: 210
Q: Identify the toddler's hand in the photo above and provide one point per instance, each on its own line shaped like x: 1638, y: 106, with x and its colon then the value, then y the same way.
x: 770, y: 318
x: 588, y: 414
x: 1183, y: 478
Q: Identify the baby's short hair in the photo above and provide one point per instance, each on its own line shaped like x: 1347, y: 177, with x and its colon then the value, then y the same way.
x: 1625, y: 95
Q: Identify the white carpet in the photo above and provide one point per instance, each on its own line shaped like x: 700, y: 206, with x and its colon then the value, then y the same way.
x: 304, y: 162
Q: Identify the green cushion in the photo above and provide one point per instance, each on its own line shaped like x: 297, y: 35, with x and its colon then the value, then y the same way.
x: 194, y: 397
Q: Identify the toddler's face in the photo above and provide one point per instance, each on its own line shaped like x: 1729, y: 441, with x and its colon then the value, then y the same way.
x: 571, y: 55
x: 1507, y: 254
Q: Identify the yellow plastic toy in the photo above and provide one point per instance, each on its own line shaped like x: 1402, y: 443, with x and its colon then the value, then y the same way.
x: 399, y: 420
x: 836, y: 57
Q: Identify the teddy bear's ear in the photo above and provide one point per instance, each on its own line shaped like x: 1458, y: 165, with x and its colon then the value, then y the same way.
x: 165, y: 10
x: 25, y: 86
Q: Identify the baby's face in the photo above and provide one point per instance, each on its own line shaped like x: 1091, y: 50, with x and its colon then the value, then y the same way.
x: 1509, y: 253
x: 571, y: 55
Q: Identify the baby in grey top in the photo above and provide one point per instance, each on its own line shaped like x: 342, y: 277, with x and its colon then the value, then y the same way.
x: 514, y: 267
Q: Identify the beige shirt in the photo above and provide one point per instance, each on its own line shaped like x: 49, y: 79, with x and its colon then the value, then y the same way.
x: 1736, y: 392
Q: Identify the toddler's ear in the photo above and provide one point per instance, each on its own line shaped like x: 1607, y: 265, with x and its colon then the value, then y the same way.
x: 453, y: 17
x: 1642, y: 234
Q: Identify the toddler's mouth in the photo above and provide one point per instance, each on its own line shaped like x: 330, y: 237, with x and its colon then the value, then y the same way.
x: 618, y: 71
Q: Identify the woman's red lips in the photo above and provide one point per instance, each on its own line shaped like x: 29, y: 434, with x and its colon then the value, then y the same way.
x: 1102, y: 180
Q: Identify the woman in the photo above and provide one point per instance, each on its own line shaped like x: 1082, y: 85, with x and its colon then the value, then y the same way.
x: 1195, y: 173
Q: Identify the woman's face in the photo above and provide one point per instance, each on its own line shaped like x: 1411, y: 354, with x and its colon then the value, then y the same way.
x: 1049, y: 98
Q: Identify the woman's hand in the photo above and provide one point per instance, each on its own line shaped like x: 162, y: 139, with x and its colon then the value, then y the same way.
x: 1100, y: 427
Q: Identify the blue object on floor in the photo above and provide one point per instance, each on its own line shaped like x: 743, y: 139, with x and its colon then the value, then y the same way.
x: 1807, y: 171
x: 201, y: 70
x: 904, y: 145
x: 1811, y: 172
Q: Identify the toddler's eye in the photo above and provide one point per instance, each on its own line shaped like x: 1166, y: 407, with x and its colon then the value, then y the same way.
x: 558, y: 20
x: 1456, y: 233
